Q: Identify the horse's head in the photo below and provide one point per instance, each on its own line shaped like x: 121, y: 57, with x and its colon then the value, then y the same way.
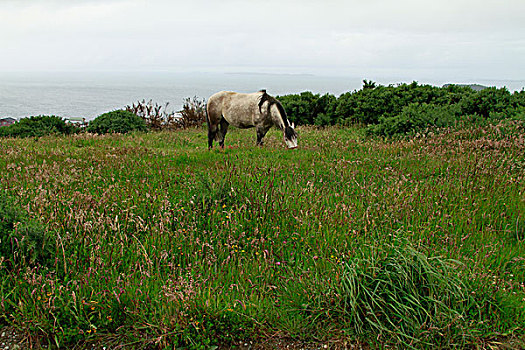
x: 278, y: 114
x: 290, y: 136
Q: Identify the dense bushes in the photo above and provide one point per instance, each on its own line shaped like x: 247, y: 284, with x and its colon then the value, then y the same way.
x: 38, y: 126
x: 486, y: 102
x: 391, y: 110
x: 415, y: 117
x: 118, y: 121
x: 307, y: 108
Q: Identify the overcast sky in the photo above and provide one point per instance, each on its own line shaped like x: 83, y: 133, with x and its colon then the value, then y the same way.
x: 411, y: 39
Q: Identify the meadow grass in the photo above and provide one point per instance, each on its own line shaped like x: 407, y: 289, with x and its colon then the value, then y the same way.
x: 156, y: 241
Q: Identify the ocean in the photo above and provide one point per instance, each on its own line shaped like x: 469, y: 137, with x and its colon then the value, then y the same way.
x: 88, y: 95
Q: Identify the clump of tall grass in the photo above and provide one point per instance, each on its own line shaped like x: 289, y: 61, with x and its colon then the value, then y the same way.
x: 402, y: 295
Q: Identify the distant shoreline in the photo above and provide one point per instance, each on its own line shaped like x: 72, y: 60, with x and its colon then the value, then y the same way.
x: 273, y: 74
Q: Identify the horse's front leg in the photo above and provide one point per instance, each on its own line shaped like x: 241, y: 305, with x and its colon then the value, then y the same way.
x: 261, y: 132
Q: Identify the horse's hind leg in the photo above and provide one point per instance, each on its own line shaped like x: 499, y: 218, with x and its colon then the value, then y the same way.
x: 212, y: 131
x: 223, y: 130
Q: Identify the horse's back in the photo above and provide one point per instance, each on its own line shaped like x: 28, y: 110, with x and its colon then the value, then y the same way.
x: 237, y: 108
x: 230, y: 97
x: 217, y: 101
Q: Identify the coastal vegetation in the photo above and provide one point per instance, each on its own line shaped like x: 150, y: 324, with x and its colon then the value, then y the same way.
x: 119, y: 121
x: 384, y: 111
x: 38, y: 126
x: 405, y: 108
x: 149, y: 240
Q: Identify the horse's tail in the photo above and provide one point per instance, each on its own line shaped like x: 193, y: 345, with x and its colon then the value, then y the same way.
x: 217, y: 132
x: 206, y: 115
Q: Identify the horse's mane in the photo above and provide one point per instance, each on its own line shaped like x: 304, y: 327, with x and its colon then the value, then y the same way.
x: 273, y: 101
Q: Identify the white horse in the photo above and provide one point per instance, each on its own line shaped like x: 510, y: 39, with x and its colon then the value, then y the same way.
x: 258, y: 110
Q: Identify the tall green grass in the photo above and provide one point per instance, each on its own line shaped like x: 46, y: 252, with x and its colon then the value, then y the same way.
x: 158, y: 242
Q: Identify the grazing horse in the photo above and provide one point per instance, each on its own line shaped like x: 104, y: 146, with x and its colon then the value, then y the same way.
x: 258, y: 110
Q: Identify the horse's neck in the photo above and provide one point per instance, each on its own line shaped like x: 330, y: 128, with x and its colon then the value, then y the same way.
x: 278, y: 120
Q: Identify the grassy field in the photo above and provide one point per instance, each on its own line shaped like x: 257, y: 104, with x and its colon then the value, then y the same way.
x: 152, y: 241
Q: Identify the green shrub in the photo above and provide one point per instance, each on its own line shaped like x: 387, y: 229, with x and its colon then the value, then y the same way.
x: 23, y: 241
x: 415, y: 117
x: 38, y: 126
x: 308, y: 109
x: 118, y: 121
x: 486, y: 102
x: 518, y: 98
x: 392, y: 108
x: 373, y: 102
x: 512, y: 113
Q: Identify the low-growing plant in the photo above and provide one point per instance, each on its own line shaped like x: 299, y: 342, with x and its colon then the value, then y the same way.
x: 38, y: 126
x: 210, y: 192
x: 23, y: 241
x: 119, y: 121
